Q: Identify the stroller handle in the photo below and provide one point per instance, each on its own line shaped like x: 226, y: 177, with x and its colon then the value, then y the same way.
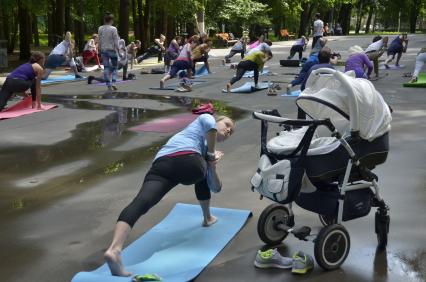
x: 353, y: 104
x: 294, y: 122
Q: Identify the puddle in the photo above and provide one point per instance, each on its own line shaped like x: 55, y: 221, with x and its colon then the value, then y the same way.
x: 36, y: 175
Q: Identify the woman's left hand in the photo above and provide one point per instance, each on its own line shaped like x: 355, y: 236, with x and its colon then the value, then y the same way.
x: 218, y: 156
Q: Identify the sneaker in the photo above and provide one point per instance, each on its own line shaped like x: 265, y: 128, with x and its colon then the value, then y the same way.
x: 387, y: 66
x: 272, y: 259
x: 77, y: 76
x: 413, y: 80
x: 302, y: 263
x: 114, y: 87
x: 90, y: 79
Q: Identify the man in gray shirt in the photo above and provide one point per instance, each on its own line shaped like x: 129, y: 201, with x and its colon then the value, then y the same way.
x: 318, y: 29
x: 108, y: 46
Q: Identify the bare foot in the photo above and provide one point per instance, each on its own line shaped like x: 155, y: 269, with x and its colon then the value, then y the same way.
x: 113, y: 260
x: 161, y: 84
x: 212, y: 220
x: 228, y: 87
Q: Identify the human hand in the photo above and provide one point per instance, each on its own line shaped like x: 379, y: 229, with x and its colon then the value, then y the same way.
x: 217, y: 157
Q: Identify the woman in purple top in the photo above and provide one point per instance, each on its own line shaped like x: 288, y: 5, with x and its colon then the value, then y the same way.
x: 298, y: 47
x: 358, y: 61
x: 172, y: 53
x: 24, y: 77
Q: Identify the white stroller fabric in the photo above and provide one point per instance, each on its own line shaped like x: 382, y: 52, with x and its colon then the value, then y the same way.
x: 355, y: 97
x: 288, y: 141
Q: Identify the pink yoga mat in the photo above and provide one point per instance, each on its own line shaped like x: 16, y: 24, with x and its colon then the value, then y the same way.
x: 23, y: 108
x: 167, y: 124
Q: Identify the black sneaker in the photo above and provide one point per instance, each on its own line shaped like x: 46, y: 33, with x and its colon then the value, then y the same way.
x: 90, y: 79
x: 77, y: 76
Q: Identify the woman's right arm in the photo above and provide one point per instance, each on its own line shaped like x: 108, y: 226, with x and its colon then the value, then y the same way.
x: 39, y: 71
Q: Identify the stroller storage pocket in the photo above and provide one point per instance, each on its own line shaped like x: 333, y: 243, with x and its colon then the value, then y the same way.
x: 357, y: 204
x: 279, y: 182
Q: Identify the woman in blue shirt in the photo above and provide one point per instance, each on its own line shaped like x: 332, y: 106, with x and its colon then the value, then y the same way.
x: 397, y: 47
x: 182, y: 160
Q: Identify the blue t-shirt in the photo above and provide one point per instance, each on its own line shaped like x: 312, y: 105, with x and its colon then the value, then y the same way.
x: 192, y: 138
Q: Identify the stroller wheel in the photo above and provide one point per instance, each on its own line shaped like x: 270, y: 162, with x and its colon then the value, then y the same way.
x: 268, y: 221
x: 332, y: 246
x: 327, y: 220
x: 381, y: 223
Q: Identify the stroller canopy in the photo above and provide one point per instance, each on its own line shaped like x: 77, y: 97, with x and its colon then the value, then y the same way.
x: 333, y: 94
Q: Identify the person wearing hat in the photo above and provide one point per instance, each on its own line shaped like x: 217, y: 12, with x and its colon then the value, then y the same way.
x: 357, y: 62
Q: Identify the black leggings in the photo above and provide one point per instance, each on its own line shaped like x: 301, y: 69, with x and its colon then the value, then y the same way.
x: 244, y: 66
x: 153, y: 50
x: 14, y: 85
x: 165, y: 173
x: 232, y: 54
x: 296, y: 49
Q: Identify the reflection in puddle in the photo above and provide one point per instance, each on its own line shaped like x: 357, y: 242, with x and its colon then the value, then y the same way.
x: 95, y: 150
x: 412, y: 266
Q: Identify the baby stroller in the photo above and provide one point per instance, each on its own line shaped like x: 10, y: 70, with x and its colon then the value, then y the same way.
x: 331, y: 176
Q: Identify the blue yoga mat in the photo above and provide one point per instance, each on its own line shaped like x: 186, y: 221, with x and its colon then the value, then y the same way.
x: 251, y: 73
x: 248, y: 87
x: 65, y: 78
x: 202, y: 71
x: 177, y: 248
x: 295, y: 93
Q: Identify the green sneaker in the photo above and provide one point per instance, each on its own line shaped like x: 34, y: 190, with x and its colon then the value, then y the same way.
x: 272, y: 259
x: 146, y: 277
x: 302, y: 263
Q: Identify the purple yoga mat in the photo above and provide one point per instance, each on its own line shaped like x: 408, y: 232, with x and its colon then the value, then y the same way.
x: 167, y: 124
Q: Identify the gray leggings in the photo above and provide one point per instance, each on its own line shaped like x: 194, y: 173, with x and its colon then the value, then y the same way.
x: 165, y: 173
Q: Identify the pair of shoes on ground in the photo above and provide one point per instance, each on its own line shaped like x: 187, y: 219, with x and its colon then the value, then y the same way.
x: 300, y: 263
x: 413, y: 80
x: 112, y: 87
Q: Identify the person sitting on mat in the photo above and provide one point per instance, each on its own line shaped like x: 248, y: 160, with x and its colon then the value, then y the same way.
x: 172, y: 53
x: 375, y: 50
x: 91, y: 51
x: 397, y: 47
x: 123, y: 63
x: 201, y: 54
x: 420, y: 61
x: 357, y: 62
x: 61, y: 55
x: 253, y: 62
x: 156, y: 49
x: 183, y: 61
x: 238, y: 48
x: 24, y: 77
x: 298, y: 47
x: 184, y: 159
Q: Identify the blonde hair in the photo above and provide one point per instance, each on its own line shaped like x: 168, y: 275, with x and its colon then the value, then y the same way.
x: 355, y: 50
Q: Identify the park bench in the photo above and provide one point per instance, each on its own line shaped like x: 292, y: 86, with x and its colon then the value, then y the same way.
x: 226, y: 38
x: 286, y: 35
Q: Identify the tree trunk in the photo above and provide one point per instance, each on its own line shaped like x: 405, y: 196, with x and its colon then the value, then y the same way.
x: 68, y: 26
x: 370, y: 16
x: 304, y: 18
x: 59, y: 20
x: 135, y: 20
x: 170, y: 28
x: 35, y: 32
x: 414, y: 13
x: 146, y: 36
x: 24, y: 32
x: 200, y: 20
x: 79, y: 25
x: 141, y: 24
x: 123, y: 26
x: 359, y: 17
x: 51, y: 30
x: 345, y: 18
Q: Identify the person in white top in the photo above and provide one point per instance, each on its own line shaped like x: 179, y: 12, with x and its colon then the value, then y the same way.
x: 264, y: 47
x: 91, y: 50
x: 375, y: 50
x: 318, y: 29
x: 61, y: 55
x: 109, y: 47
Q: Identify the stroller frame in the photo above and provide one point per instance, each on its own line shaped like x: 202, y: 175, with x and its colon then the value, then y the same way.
x: 277, y: 220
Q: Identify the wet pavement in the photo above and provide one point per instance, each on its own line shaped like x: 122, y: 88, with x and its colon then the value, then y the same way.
x: 67, y: 173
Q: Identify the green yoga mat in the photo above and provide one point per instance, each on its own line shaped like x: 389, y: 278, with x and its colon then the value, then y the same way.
x: 421, y: 82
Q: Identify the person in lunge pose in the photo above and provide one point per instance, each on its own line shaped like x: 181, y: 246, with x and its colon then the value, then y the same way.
x: 184, y: 159
x: 24, y: 77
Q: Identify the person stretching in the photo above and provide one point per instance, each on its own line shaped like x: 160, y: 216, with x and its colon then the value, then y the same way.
x: 420, y: 61
x: 156, y: 49
x: 132, y: 50
x: 298, y: 47
x: 172, y: 53
x: 238, y: 48
x: 91, y: 51
x: 183, y: 61
x: 61, y: 55
x: 375, y: 50
x: 264, y: 47
x: 184, y: 159
x: 397, y: 47
x: 26, y: 76
x: 357, y: 62
x: 201, y: 54
x: 123, y: 63
x: 253, y: 62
